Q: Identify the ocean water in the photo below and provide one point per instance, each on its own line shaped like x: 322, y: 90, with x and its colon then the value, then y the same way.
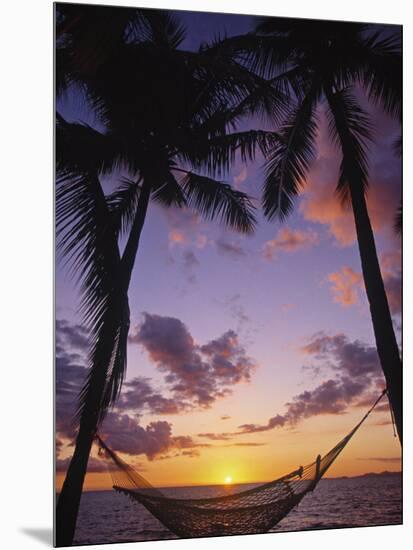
x: 107, y: 516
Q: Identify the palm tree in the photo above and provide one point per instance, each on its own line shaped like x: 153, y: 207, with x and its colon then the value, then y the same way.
x: 166, y: 115
x: 332, y: 63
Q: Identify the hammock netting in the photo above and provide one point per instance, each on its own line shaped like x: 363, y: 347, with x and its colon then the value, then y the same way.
x: 255, y: 510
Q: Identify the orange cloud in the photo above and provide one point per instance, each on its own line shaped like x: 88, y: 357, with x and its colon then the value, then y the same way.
x: 346, y: 283
x: 288, y: 240
x: 345, y: 286
x: 320, y: 203
x: 176, y: 237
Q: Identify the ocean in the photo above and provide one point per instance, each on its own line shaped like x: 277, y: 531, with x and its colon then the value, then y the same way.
x: 107, y: 516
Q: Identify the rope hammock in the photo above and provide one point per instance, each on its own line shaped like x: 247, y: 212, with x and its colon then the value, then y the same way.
x: 252, y: 511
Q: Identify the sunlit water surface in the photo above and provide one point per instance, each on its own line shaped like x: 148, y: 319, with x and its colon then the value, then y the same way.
x: 107, y: 516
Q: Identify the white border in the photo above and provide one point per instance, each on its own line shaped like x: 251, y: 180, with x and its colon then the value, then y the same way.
x: 27, y: 263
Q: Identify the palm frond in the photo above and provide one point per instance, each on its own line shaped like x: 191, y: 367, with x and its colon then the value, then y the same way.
x: 264, y: 55
x: 169, y: 193
x: 164, y: 27
x: 86, y: 241
x: 270, y: 100
x: 382, y: 74
x: 82, y: 149
x: 107, y: 360
x: 117, y: 371
x: 221, y: 151
x: 122, y: 205
x: 289, y: 160
x: 215, y: 199
x: 225, y: 84
x: 88, y: 35
x: 350, y: 129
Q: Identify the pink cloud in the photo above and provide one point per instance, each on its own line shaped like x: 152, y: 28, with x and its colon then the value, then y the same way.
x: 345, y: 286
x: 320, y: 203
x: 289, y: 240
x: 240, y: 177
x: 346, y: 283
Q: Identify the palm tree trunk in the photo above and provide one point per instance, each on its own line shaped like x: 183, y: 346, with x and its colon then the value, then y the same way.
x: 131, y: 248
x: 386, y: 342
x: 69, y: 499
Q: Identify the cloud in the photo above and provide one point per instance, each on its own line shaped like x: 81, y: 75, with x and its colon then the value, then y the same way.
x: 215, y: 436
x: 176, y: 237
x: 72, y: 336
x: 354, y: 372
x: 121, y: 427
x: 246, y: 444
x: 236, y: 309
x: 124, y: 434
x: 240, y: 177
x: 387, y: 459
x: 198, y: 374
x: 229, y: 248
x: 391, y: 265
x: 320, y: 204
x: 71, y: 371
x: 346, y: 284
x: 139, y: 395
x: 189, y: 262
x: 98, y: 465
x: 274, y: 422
x: 228, y: 437
x: 289, y: 240
x: 185, y: 227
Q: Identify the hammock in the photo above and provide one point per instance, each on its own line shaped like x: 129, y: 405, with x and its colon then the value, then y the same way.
x: 252, y: 511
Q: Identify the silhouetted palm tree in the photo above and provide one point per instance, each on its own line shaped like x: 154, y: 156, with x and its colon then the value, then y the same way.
x: 332, y: 63
x: 166, y: 113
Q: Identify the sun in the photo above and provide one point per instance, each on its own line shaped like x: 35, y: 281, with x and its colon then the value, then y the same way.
x: 228, y: 480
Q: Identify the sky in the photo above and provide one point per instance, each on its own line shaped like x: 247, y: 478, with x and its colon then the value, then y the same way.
x: 248, y: 355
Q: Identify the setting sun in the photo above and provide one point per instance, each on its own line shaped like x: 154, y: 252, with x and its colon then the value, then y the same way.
x: 228, y: 480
